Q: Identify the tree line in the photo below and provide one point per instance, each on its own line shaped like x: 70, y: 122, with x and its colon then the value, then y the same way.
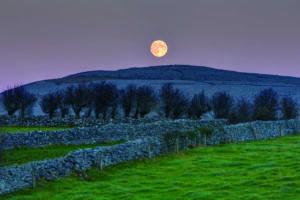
x: 103, y: 99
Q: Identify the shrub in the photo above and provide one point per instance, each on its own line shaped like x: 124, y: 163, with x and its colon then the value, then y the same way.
x: 266, y: 105
x: 205, y: 131
x: 192, y: 135
x: 170, y: 138
x: 3, y: 157
x: 289, y: 108
x: 221, y: 104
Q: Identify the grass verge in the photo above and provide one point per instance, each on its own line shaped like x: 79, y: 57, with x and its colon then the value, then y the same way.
x: 21, y: 155
x: 15, y: 129
x: 266, y: 169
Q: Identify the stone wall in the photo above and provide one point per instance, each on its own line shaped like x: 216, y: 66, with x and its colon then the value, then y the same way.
x: 6, y: 120
x: 19, y: 176
x: 109, y: 132
x: 260, y: 129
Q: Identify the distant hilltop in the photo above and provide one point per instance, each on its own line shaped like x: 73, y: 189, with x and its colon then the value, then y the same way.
x: 189, y: 79
x: 176, y: 72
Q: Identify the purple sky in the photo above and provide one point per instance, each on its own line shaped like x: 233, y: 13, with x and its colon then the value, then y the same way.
x: 44, y: 39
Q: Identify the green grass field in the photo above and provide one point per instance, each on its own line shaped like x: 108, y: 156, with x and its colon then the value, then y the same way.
x: 15, y: 129
x: 28, y: 154
x: 21, y: 155
x: 267, y: 169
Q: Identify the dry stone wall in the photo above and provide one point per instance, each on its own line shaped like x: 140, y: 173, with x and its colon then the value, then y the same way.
x: 109, y: 132
x: 19, y: 176
x: 6, y: 120
x: 260, y: 130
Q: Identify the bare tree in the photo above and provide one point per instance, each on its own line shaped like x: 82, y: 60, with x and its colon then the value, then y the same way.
x: 198, y: 105
x: 11, y: 100
x: 173, y: 101
x: 27, y: 102
x: 289, y: 108
x: 241, y: 112
x: 105, y: 95
x: 81, y: 98
x: 90, y: 105
x: 180, y: 104
x: 18, y: 98
x: 221, y: 104
x: 128, y: 98
x: 266, y: 105
x: 167, y: 98
x: 64, y: 100
x: 113, y: 99
x: 49, y: 104
x: 145, y: 100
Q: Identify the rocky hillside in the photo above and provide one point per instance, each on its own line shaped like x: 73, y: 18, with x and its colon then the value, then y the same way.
x: 190, y: 79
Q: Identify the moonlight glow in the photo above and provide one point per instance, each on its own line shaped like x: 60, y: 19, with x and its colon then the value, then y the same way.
x: 159, y: 48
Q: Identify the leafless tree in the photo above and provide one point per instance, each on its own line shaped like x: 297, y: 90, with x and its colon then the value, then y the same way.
x: 11, y: 100
x: 266, y: 105
x: 173, y: 101
x: 81, y: 98
x: 241, y: 112
x: 49, y: 104
x: 145, y: 100
x: 105, y: 95
x: 221, y: 104
x: 198, y: 105
x: 180, y: 104
x: 289, y: 108
x: 167, y: 98
x: 64, y: 100
x: 128, y: 98
x: 18, y: 99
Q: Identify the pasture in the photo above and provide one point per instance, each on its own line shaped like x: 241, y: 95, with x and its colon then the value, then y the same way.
x: 265, y: 169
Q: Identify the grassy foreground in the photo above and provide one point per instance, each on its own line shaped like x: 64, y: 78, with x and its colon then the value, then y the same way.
x: 15, y: 129
x: 268, y: 169
x: 28, y: 154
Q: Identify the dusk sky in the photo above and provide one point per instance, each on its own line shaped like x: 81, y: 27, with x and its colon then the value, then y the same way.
x: 45, y: 39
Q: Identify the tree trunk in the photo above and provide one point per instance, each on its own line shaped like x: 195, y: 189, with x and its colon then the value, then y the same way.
x: 22, y: 113
x: 63, y: 113
x: 113, y: 112
x: 136, y: 114
x: 77, y: 115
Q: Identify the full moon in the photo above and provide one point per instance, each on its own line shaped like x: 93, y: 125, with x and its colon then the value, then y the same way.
x: 159, y: 48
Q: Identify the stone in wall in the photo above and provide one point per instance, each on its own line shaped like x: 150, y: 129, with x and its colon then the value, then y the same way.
x: 109, y: 132
x: 17, y: 177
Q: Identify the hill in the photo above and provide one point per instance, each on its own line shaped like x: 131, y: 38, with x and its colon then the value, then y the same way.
x: 190, y: 79
x: 177, y: 72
